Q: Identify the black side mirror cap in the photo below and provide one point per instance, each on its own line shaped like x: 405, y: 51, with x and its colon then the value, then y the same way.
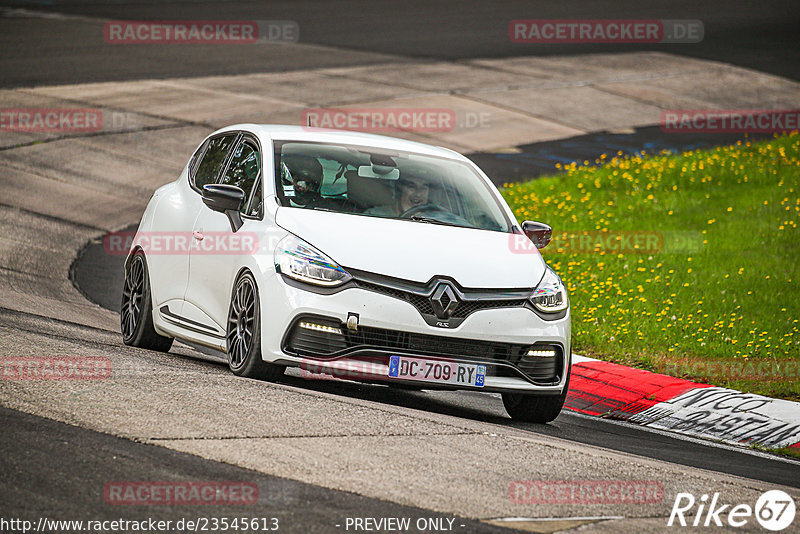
x: 537, y: 232
x: 227, y: 199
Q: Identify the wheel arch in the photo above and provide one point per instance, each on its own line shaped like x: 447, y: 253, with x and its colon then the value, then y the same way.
x: 244, y: 269
x: 132, y: 253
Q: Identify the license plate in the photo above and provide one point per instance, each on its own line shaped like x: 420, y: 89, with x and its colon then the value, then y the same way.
x: 461, y: 374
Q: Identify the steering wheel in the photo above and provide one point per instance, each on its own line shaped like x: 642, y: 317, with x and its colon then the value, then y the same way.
x: 422, y: 207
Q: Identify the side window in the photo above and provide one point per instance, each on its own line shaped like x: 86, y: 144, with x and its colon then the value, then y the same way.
x: 216, y: 152
x: 243, y: 172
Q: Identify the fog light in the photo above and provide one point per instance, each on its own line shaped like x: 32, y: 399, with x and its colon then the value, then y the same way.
x: 320, y: 328
x: 541, y: 353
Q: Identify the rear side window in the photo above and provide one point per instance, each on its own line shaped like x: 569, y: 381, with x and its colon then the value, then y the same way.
x: 213, y: 159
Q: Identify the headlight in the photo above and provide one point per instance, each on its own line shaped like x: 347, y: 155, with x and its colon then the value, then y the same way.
x: 550, y: 295
x: 297, y: 259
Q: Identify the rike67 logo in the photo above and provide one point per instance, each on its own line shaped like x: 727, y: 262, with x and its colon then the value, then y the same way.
x: 774, y: 510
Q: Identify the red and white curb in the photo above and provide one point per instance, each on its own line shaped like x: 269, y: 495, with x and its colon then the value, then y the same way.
x: 667, y: 403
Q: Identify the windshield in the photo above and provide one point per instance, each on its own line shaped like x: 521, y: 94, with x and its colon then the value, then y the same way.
x: 381, y: 183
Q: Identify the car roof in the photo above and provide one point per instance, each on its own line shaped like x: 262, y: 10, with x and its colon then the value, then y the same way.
x: 284, y: 132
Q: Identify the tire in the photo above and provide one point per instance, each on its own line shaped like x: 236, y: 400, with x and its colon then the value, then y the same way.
x: 243, y: 337
x: 136, y: 308
x: 536, y: 408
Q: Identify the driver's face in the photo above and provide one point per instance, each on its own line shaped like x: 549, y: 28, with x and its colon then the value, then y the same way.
x: 305, y: 186
x: 413, y: 192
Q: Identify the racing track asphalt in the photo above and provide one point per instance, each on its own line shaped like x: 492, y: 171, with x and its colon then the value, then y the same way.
x: 63, y: 478
x: 759, y: 35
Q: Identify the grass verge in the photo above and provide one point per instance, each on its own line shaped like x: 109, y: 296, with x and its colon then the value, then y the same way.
x: 688, y: 265
x: 789, y: 452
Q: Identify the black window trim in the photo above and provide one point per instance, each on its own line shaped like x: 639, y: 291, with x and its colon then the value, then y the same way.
x: 242, y: 137
x: 237, y: 135
x: 196, y: 157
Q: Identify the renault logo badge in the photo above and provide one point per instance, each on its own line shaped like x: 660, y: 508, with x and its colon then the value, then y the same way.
x: 444, y: 301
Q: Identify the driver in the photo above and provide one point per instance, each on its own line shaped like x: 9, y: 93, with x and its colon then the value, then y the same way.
x: 410, y: 191
x: 306, y: 176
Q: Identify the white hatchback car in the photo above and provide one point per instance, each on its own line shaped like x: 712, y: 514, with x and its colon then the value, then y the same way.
x: 328, y: 250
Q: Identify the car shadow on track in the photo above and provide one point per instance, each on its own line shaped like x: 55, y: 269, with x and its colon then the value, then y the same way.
x: 477, y: 406
x: 458, y: 404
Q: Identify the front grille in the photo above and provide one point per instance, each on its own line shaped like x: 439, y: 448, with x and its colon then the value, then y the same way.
x: 434, y: 345
x: 332, y: 344
x: 325, y: 344
x: 469, y: 306
x: 423, y: 304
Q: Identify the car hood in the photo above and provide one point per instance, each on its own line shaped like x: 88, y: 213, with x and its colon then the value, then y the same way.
x: 417, y: 251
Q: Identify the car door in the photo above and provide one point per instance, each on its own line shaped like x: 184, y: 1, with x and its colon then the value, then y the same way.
x: 173, y: 223
x: 219, y: 253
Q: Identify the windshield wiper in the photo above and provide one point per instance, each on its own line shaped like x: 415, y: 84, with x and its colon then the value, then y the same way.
x: 431, y: 220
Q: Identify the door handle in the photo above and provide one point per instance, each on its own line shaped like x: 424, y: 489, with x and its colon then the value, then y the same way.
x: 198, y: 235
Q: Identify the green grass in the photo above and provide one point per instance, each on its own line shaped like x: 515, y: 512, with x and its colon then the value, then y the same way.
x: 790, y: 452
x: 720, y: 287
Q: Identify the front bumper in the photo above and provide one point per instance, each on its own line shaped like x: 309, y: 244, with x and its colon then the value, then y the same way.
x: 491, y: 337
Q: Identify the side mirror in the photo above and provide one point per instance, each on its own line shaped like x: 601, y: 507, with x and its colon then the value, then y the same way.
x: 537, y: 232
x: 227, y: 199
